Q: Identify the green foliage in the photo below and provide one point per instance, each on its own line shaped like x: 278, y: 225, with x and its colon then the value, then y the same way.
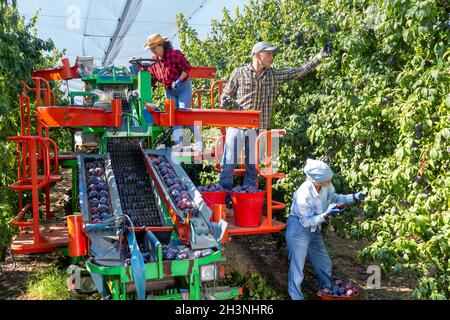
x: 378, y: 111
x: 253, y: 286
x: 20, y: 53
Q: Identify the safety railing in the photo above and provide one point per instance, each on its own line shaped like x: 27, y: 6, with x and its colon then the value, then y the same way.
x: 267, y: 171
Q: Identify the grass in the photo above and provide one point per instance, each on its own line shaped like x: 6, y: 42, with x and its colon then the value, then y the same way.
x: 49, y: 284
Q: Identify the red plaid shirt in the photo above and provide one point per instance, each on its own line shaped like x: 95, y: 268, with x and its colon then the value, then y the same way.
x: 169, y: 68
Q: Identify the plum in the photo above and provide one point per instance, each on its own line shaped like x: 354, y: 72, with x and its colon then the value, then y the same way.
x: 175, y: 193
x: 182, y: 256
x: 101, y: 186
x: 98, y: 171
x: 171, y: 254
x: 91, y: 171
x: 103, y: 200
x: 92, y: 187
x: 93, y: 194
x: 339, y: 282
x: 94, y: 210
x: 326, y: 290
x: 184, y: 196
x: 349, y: 292
x: 95, y: 216
x: 93, y: 180
x: 102, y: 208
x: 94, y: 202
x: 96, y: 220
x: 103, y: 194
x: 332, y: 29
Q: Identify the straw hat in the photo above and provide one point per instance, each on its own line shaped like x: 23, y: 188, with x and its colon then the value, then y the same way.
x: 153, y: 41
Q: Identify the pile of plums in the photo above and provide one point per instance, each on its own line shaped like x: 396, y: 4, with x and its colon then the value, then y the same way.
x: 341, y: 289
x: 99, y: 205
x: 173, y: 254
x: 177, y: 190
x: 245, y: 189
x: 211, y: 187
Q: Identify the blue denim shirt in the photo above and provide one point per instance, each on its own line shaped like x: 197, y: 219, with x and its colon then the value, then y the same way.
x: 309, y: 205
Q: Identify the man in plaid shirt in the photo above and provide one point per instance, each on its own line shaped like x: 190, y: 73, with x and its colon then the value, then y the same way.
x: 254, y: 87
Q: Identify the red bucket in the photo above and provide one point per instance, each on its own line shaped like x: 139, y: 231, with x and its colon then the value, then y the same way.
x: 248, y: 208
x: 325, y: 296
x: 212, y: 198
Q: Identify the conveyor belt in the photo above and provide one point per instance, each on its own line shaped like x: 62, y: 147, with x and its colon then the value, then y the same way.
x: 133, y: 182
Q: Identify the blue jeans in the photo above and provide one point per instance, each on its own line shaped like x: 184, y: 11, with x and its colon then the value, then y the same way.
x: 302, y: 243
x: 235, y: 140
x: 183, y: 98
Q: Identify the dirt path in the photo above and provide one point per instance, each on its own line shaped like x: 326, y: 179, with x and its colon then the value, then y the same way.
x: 266, y: 256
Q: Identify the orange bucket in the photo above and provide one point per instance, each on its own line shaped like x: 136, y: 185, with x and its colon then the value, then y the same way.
x: 212, y: 198
x: 248, y: 208
x: 77, y: 239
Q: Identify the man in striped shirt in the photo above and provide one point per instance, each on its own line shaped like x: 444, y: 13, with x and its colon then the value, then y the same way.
x: 254, y: 87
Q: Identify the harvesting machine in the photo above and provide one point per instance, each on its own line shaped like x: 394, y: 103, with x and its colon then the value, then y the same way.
x: 139, y: 228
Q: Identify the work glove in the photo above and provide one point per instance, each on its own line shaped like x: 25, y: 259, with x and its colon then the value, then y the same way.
x: 327, y: 50
x: 334, y: 208
x: 225, y: 102
x: 359, y: 196
x: 175, y: 84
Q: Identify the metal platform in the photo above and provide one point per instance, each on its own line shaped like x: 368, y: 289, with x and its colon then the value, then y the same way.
x: 264, y: 227
x: 52, y: 235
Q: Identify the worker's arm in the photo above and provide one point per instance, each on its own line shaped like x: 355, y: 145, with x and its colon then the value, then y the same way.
x: 183, y: 75
x: 333, y: 197
x: 284, y: 75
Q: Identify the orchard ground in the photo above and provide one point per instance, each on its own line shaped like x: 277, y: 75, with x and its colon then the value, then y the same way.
x: 264, y: 255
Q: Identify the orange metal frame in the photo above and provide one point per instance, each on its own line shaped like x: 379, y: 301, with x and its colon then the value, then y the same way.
x: 28, y: 154
x: 80, y: 116
x: 218, y: 118
x: 268, y: 225
x: 66, y: 72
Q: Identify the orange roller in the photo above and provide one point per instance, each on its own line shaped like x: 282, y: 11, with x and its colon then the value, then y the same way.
x: 77, y: 239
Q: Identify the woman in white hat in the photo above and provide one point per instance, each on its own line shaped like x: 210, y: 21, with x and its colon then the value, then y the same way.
x: 312, y: 204
x: 172, y: 71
